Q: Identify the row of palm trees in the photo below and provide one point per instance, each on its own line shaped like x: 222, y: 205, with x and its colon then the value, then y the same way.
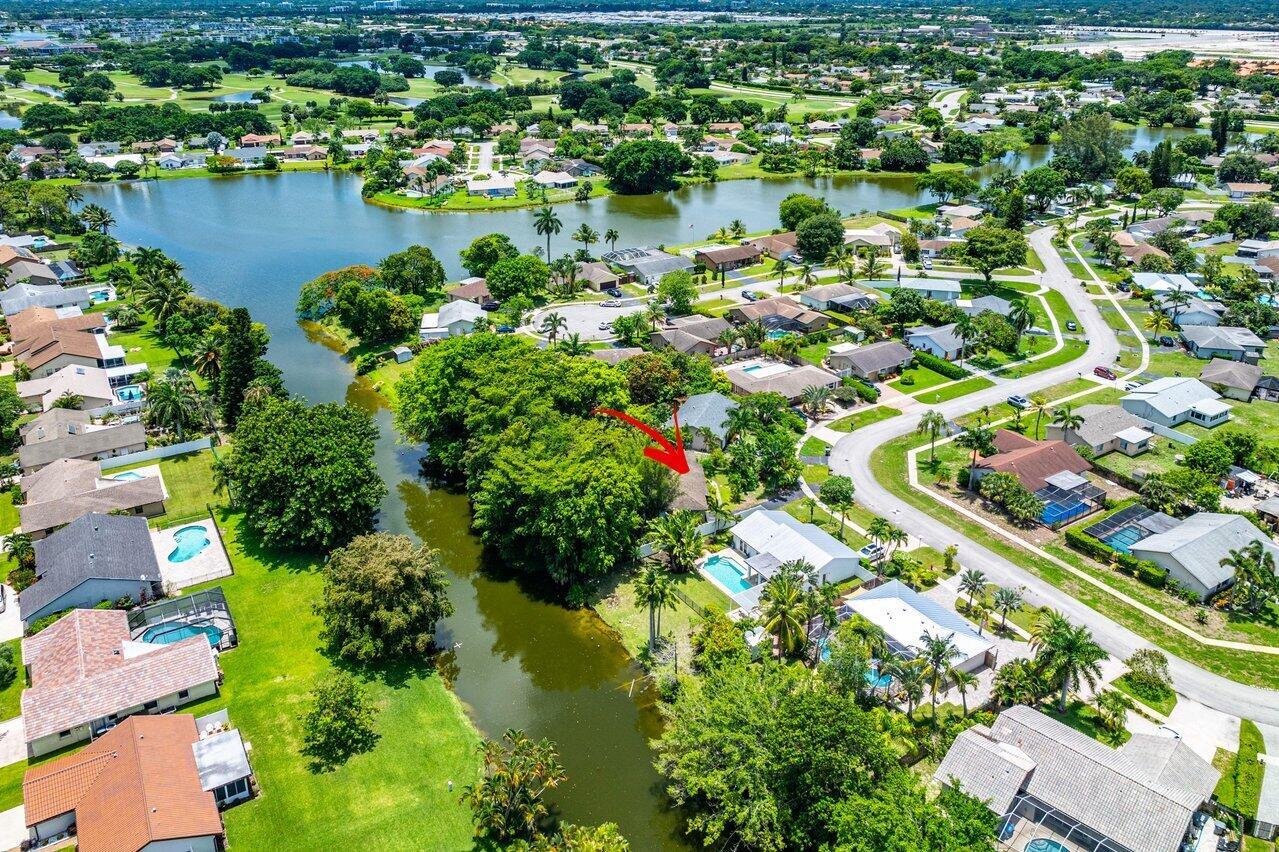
x: 547, y: 223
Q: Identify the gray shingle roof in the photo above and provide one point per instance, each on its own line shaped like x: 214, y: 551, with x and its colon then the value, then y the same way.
x: 111, y: 547
x: 943, y: 336
x: 1231, y: 374
x: 706, y: 411
x: 1223, y: 337
x: 874, y: 357
x: 1103, y: 422
x: 1142, y: 799
x: 1200, y: 542
x: 54, y: 443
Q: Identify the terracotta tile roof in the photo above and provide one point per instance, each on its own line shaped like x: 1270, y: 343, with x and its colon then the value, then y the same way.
x: 37, y: 351
x: 136, y: 785
x: 84, y: 667
x: 35, y: 321
x: 1032, y: 461
x: 12, y: 254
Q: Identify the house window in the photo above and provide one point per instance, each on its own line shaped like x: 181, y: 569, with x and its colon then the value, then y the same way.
x: 63, y: 734
x: 183, y: 694
x: 151, y: 705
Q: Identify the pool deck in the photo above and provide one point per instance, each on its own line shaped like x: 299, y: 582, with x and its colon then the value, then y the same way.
x: 209, y: 564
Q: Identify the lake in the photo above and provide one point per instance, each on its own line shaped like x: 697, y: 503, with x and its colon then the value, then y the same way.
x: 252, y: 240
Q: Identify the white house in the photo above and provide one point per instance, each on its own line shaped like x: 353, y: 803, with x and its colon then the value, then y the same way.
x: 941, y: 341
x: 452, y: 320
x: 1191, y: 552
x: 778, y: 538
x: 1177, y: 399
x: 905, y: 616
x: 938, y: 289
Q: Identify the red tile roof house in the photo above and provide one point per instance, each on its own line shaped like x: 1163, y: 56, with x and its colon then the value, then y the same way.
x: 137, y: 788
x: 1033, y: 462
x: 87, y: 674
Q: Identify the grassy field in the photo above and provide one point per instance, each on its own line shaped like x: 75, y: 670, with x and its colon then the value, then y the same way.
x: 424, y: 737
x: 814, y: 446
x: 189, y: 481
x: 915, y: 379
x: 798, y: 510
x: 1258, y: 417
x: 1241, y: 772
x: 616, y: 604
x: 865, y: 417
x: 958, y: 389
x: 143, y: 346
x: 8, y: 513
x: 10, y: 698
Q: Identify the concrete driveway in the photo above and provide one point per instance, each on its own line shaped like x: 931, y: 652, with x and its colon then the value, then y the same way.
x: 585, y: 318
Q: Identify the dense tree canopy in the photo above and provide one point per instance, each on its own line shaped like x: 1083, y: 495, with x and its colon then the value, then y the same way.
x: 645, y: 165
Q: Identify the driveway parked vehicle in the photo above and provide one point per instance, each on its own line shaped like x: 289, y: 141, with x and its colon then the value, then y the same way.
x: 1105, y: 373
x: 1018, y: 401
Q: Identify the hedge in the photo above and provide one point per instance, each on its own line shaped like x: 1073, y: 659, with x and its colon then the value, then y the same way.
x: 1144, y: 570
x: 865, y: 390
x: 949, y: 369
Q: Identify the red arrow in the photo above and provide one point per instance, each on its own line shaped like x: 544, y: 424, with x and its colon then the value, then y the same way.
x: 671, y: 455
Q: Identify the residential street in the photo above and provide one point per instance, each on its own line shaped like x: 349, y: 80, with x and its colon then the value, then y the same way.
x: 851, y: 456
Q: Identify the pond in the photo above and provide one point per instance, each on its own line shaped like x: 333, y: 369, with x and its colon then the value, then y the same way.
x: 9, y: 121
x: 234, y: 98
x: 520, y: 661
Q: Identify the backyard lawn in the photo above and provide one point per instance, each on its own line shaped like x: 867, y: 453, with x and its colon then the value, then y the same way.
x: 1241, y: 772
x: 915, y: 379
x: 10, y: 705
x: 616, y: 604
x: 189, y: 481
x: 8, y: 513
x: 423, y: 733
x: 1257, y: 417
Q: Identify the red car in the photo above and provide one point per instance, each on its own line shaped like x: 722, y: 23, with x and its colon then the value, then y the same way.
x: 1105, y: 373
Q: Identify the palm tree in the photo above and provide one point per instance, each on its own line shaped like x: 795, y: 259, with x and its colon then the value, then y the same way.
x: 895, y: 537
x: 753, y: 333
x: 979, y: 440
x: 171, y: 403
x: 20, y: 548
x: 963, y: 681
x: 737, y: 228
x: 1177, y: 299
x: 937, y: 651
x: 1112, y: 707
x: 162, y: 295
x: 97, y: 218
x: 972, y: 582
x: 546, y: 223
x: 911, y: 676
x: 783, y: 609
x: 879, y: 530
x: 573, y: 345
x: 207, y: 359
x: 1020, y: 317
x: 807, y: 275
x: 719, y: 510
x: 655, y: 313
x: 654, y: 591
x: 675, y: 535
x: 552, y: 325
x: 1066, y: 653
x: 1157, y: 322
x: 780, y: 267
x: 872, y: 636
x: 586, y: 235
x: 871, y: 268
x: 739, y: 421
x: 1007, y: 600
x: 815, y: 398
x: 728, y: 338
x: 1068, y: 420
x: 966, y: 330
x: 932, y: 423
x: 611, y: 236
x: 1038, y: 404
x: 73, y: 194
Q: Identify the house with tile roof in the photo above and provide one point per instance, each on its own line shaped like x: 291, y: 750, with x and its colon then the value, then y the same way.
x: 1048, y: 782
x: 1032, y: 462
x: 780, y: 312
x: 139, y: 787
x: 94, y: 558
x: 87, y: 675
x: 37, y: 321
x: 91, y: 384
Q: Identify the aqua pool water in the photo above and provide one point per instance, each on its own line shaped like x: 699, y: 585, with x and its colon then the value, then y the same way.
x: 190, y: 541
x: 130, y: 393
x: 170, y: 632
x: 727, y: 573
x: 127, y: 476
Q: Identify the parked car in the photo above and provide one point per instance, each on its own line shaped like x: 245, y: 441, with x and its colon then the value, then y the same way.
x: 872, y: 552
x: 1165, y: 340
x: 1131, y: 386
x: 1018, y: 401
x: 1071, y: 325
x: 506, y: 329
x: 605, y: 326
x: 750, y: 295
x: 928, y: 264
x: 1105, y: 373
x: 611, y: 303
x: 490, y: 306
x: 615, y: 292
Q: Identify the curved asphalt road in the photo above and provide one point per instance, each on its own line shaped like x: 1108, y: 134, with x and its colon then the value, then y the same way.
x: 851, y: 457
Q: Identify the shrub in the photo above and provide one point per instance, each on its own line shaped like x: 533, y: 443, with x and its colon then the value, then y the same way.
x: 8, y: 668
x: 949, y: 369
x: 866, y: 392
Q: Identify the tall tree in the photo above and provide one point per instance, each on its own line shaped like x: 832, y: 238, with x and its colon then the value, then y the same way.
x: 547, y: 223
x: 238, y: 360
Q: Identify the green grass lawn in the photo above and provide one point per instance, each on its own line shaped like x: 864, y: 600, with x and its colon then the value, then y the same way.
x: 615, y: 603
x: 800, y: 511
x: 814, y: 353
x: 814, y: 446
x: 424, y: 737
x: 958, y: 389
x: 1083, y: 718
x: 1164, y: 704
x: 143, y: 346
x: 189, y: 481
x: 10, y: 698
x: 1069, y: 351
x: 1158, y: 459
x: 8, y: 513
x: 1241, y: 772
x: 816, y: 474
x: 916, y: 379
x: 865, y: 417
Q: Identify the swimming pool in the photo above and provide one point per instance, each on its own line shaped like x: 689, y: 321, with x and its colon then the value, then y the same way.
x: 725, y: 571
x: 763, y: 371
x: 127, y: 476
x: 1043, y: 844
x: 876, y: 680
x: 191, y: 541
x: 99, y: 296
x: 778, y: 334
x: 130, y: 393
x: 175, y: 631
x: 1123, y: 539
